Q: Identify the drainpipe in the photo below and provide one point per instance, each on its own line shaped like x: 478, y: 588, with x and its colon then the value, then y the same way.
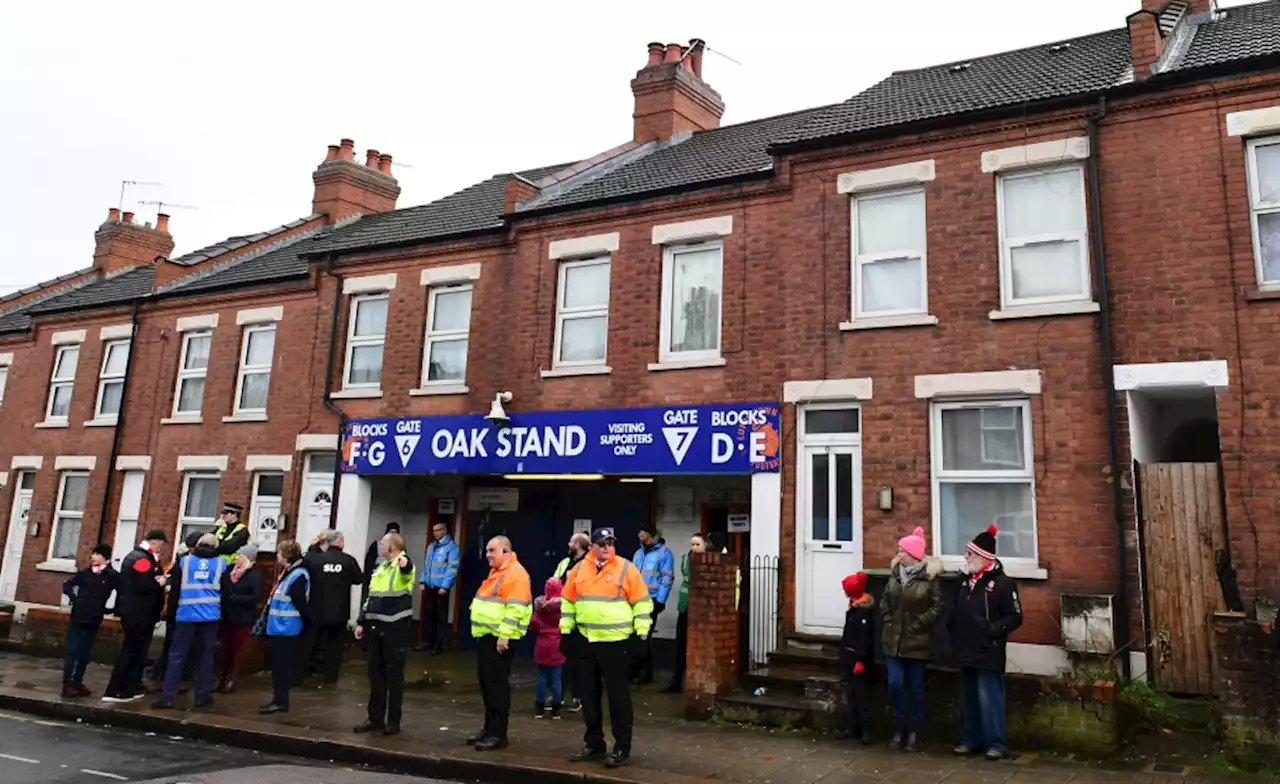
x: 119, y: 430
x: 1120, y: 622
x: 328, y: 391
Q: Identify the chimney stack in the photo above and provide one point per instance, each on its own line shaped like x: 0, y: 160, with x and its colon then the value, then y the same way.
x: 1151, y: 28
x: 345, y: 187
x: 670, y: 94
x: 119, y: 243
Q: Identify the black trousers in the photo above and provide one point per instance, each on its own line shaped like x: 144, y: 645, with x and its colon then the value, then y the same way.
x: 642, y: 667
x: 495, y: 685
x: 570, y: 675
x: 859, y: 687
x: 435, y: 618
x: 388, y: 650
x: 604, y: 666
x: 682, y: 649
x: 126, y: 676
x: 306, y: 649
x: 284, y: 660
x: 331, y: 644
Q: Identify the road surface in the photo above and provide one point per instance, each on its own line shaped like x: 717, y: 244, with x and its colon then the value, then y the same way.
x: 36, y: 751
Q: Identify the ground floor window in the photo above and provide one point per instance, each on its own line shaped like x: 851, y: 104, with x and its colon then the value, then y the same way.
x: 66, y: 525
x: 983, y: 475
x: 199, y: 504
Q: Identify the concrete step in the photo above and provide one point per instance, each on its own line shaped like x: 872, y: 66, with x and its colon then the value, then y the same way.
x: 822, y: 660
x: 772, y: 710
x: 786, y: 680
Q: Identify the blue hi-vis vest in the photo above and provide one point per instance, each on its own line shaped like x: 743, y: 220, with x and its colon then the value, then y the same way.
x: 200, y: 594
x: 284, y: 620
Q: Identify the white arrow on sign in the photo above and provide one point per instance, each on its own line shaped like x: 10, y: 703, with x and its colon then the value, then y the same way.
x: 679, y: 439
x: 405, y: 447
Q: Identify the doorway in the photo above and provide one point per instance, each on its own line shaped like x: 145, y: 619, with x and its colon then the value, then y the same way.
x: 317, y: 495
x: 24, y: 488
x: 127, y: 522
x: 828, y: 513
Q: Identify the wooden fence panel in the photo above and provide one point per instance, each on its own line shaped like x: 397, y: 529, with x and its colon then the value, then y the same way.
x: 1182, y: 524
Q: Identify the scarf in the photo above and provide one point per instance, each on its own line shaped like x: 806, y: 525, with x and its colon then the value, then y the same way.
x: 976, y: 576
x: 238, y: 570
x: 97, y: 568
x: 908, y: 573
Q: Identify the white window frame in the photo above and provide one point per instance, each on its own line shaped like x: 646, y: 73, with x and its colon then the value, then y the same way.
x: 669, y: 253
x: 1007, y: 300
x: 565, y: 313
x: 55, y: 383
x: 354, y: 342
x: 897, y: 254
x: 59, y: 515
x: 939, y: 476
x: 445, y: 335
x: 105, y: 378
x: 183, y: 519
x: 193, y: 373
x: 4, y: 381
x: 253, y: 370
x: 1258, y: 207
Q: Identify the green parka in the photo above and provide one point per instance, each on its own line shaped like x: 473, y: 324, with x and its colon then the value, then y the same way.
x: 909, y: 611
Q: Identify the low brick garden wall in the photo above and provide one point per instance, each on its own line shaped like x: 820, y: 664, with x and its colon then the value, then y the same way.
x: 1248, y: 680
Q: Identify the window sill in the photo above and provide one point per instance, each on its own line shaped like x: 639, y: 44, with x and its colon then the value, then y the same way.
x: 52, y: 424
x: 62, y: 565
x: 1040, y: 311
x: 249, y: 417
x: 103, y: 422
x: 440, y: 389
x: 356, y: 394
x: 1016, y: 571
x: 582, y: 370
x: 1262, y: 294
x: 687, y: 364
x: 183, y: 420
x: 922, y: 320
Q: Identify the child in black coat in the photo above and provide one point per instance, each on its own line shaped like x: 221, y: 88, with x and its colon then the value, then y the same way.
x: 856, y: 656
x: 89, y: 591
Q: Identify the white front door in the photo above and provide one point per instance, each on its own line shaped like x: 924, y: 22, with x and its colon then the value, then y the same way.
x: 24, y: 486
x: 829, y: 516
x: 265, y: 512
x: 127, y: 523
x: 317, y: 496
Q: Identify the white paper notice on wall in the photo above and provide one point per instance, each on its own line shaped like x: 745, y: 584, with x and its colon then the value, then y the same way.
x: 739, y: 523
x: 445, y: 506
x: 582, y: 525
x: 493, y: 499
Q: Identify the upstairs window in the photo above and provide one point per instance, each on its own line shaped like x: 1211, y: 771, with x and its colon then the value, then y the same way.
x: 1044, y: 254
x: 692, y: 292
x: 889, y: 255
x: 193, y: 366
x: 1264, y: 199
x: 582, y: 313
x: 4, y: 380
x: 366, y: 336
x: 448, y: 333
x: 254, y: 379
x: 115, y: 359
x: 62, y: 383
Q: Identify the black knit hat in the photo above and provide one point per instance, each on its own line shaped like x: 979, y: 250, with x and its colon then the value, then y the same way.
x: 984, y: 544
x: 103, y: 550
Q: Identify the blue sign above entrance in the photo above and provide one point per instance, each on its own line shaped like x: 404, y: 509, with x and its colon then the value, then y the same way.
x: 720, y: 439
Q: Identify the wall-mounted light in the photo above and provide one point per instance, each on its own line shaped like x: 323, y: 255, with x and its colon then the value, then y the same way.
x: 636, y: 479
x: 886, y: 498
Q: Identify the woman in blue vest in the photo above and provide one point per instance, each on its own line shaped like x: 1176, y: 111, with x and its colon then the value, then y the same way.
x: 196, y: 595
x: 287, y: 611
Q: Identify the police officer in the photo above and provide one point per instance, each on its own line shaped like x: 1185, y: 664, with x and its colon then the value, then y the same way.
x: 500, y: 615
x: 333, y: 574
x: 387, y: 621
x: 196, y: 582
x: 231, y: 533
x: 607, y: 599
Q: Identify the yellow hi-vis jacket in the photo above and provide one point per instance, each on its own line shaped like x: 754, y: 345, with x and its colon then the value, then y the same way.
x: 606, y: 604
x: 504, y: 603
x: 390, y: 594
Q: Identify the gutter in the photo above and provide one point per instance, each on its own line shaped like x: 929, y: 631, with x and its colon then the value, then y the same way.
x: 1119, y: 621
x: 328, y: 390
x: 118, y: 435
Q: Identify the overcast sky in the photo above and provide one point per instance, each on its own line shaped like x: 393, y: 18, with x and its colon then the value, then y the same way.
x: 230, y: 105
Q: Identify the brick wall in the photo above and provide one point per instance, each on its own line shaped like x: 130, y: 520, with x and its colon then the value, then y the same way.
x: 713, y: 649
x: 1247, y: 676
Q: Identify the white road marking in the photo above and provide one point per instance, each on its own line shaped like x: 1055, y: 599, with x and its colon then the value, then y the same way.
x: 104, y: 775
x: 19, y: 759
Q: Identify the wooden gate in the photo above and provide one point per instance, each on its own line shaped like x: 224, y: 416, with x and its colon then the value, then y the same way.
x: 1182, y: 525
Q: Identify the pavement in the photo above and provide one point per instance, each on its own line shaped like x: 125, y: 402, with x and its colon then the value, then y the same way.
x: 442, y: 707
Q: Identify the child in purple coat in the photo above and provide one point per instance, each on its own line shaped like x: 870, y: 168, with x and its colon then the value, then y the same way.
x: 545, y: 626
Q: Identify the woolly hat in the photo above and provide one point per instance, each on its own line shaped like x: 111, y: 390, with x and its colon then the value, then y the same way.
x: 984, y: 544
x: 855, y: 585
x: 553, y: 588
x: 249, y: 551
x: 103, y: 550
x: 914, y: 544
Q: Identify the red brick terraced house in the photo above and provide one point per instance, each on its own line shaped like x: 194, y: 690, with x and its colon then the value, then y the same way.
x: 1038, y: 289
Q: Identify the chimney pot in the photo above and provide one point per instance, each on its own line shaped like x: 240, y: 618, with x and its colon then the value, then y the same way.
x: 696, y: 47
x: 332, y: 155
x: 162, y: 222
x: 674, y: 53
x: 113, y: 215
x: 347, y: 150
x: 656, y: 51
x: 126, y: 217
x: 371, y: 158
x: 384, y: 163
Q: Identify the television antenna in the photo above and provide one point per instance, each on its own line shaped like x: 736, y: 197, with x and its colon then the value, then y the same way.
x: 160, y: 205
x: 125, y: 184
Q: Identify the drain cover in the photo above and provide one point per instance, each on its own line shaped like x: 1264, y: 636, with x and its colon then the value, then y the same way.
x: 1167, y: 768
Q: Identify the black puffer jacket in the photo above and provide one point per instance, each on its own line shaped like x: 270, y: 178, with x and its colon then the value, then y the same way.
x: 139, y: 597
x: 240, y: 598
x: 89, y: 593
x: 983, y: 617
x: 858, y: 640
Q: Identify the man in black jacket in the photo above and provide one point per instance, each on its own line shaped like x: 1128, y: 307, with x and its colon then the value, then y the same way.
x: 986, y: 612
x: 139, y: 598
x: 333, y: 574
x: 89, y: 591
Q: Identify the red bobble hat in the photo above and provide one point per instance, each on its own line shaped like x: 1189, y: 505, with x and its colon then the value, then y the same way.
x: 984, y: 544
x: 855, y: 585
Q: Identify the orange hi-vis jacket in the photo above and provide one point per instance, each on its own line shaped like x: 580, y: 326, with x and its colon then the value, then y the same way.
x: 504, y: 603
x: 606, y: 604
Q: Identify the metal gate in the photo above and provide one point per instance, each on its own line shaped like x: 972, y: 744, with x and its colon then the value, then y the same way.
x: 1181, y: 516
x: 759, y: 607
